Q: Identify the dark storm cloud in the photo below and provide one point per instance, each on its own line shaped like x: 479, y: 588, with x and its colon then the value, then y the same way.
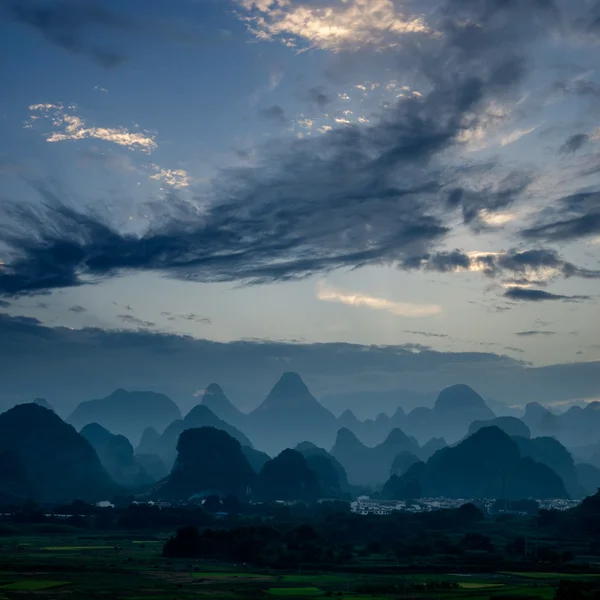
x: 77, y: 309
x: 131, y: 320
x: 178, y: 365
x: 427, y: 334
x: 534, y: 332
x: 513, y: 264
x: 532, y: 295
x: 4, y: 304
x: 71, y: 24
x: 356, y: 196
x: 319, y: 97
x: 573, y: 217
x: 274, y: 113
x: 187, y: 317
x: 575, y: 143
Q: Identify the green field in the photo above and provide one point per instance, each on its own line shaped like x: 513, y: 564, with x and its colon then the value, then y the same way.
x: 33, y: 584
x: 303, y: 592
x: 126, y: 567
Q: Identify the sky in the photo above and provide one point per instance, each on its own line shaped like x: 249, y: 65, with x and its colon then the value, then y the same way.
x: 414, y: 176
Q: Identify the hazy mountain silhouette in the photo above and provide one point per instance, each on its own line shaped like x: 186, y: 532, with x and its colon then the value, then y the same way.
x: 215, y: 399
x: 43, y: 403
x: 370, y: 465
x: 288, y: 477
x: 290, y: 414
x: 60, y: 465
x: 116, y: 455
x: 256, y: 458
x: 510, y: 425
x: 455, y: 409
x: 368, y: 403
x: 487, y: 464
x: 149, y: 442
x: 588, y: 477
x: 209, y: 461
x: 199, y: 416
x: 403, y: 462
x: 331, y: 486
x: 127, y: 413
x: 576, y: 428
x: 431, y: 447
x: 153, y: 466
x: 371, y: 432
x: 552, y: 453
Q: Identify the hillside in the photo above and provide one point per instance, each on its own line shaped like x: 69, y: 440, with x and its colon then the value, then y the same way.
x: 58, y: 463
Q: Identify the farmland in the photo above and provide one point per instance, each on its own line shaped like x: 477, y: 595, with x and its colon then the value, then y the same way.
x: 75, y: 566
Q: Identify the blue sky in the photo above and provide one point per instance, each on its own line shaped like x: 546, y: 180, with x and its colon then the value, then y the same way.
x: 369, y: 171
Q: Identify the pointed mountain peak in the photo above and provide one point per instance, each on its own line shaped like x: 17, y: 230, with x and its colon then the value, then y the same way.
x: 400, y: 413
x: 200, y: 411
x: 43, y: 402
x: 214, y: 389
x: 290, y: 394
x: 215, y: 396
x: 348, y: 418
x: 345, y: 437
x: 290, y: 383
x: 397, y: 437
x: 535, y: 408
x: 215, y: 399
x: 306, y: 447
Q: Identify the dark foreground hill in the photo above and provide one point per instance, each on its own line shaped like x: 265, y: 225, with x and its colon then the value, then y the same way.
x: 209, y: 461
x: 199, y: 416
x: 58, y: 464
x: 288, y: 477
x: 488, y: 464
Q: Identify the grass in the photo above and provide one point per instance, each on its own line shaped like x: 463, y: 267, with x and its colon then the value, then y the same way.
x: 316, y: 578
x: 75, y: 548
x: 469, y: 585
x: 303, y: 592
x: 554, y: 576
x: 33, y: 585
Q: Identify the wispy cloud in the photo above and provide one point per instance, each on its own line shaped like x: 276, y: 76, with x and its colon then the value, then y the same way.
x: 68, y: 23
x: 329, y: 26
x: 400, y: 309
x: 530, y: 295
x: 131, y: 320
x: 187, y: 317
x: 71, y: 127
x: 77, y: 309
x: 175, y: 178
x: 535, y: 332
x: 516, y: 135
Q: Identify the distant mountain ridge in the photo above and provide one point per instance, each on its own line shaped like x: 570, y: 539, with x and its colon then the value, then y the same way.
x: 576, y: 427
x: 487, y: 464
x: 199, y: 416
x: 215, y: 399
x: 127, y: 413
x: 289, y: 415
x: 116, y: 455
x: 370, y: 465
